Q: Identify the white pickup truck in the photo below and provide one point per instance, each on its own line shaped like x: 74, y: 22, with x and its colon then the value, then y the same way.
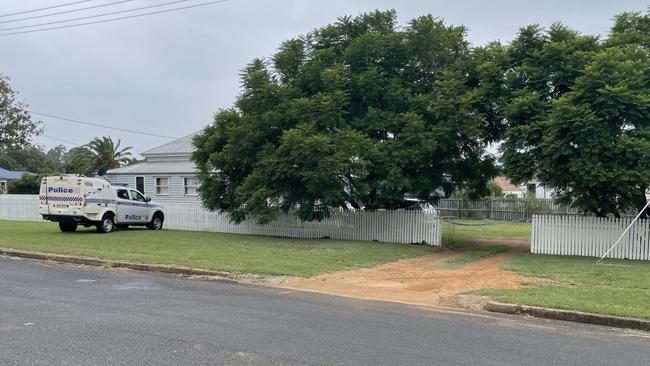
x: 73, y: 201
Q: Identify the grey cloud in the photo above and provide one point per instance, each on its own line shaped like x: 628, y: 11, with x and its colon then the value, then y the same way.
x: 169, y: 73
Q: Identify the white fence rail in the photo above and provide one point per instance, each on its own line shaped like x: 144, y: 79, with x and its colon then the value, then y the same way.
x: 590, y: 236
x: 19, y: 207
x: 385, y: 226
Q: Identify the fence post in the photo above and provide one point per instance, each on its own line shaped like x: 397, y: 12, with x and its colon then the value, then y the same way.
x: 491, y: 208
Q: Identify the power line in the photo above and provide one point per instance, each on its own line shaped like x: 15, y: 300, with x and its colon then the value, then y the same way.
x: 64, y: 12
x: 61, y: 140
x: 76, y: 144
x: 95, y: 16
x: 114, y: 19
x: 49, y: 7
x: 102, y: 126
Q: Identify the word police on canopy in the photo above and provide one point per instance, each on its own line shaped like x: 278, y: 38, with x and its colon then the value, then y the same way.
x: 60, y: 190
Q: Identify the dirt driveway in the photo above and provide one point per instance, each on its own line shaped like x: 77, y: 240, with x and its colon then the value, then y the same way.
x: 420, y: 281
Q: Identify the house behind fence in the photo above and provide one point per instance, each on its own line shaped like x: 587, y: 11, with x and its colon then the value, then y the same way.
x: 590, y: 236
x: 501, y: 209
x: 384, y: 226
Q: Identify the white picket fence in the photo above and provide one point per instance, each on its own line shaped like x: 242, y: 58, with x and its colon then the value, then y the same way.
x: 384, y: 226
x: 590, y: 236
x: 19, y: 207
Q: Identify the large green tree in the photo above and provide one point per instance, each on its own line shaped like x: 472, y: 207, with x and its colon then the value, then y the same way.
x: 538, y: 67
x: 33, y: 159
x: 16, y: 125
x: 75, y: 161
x: 360, y: 112
x: 595, y: 148
x: 578, y: 114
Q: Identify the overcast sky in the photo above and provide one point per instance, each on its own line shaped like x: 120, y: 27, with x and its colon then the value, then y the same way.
x: 169, y: 73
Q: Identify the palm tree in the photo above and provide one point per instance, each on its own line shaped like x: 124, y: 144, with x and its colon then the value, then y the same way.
x: 103, y: 154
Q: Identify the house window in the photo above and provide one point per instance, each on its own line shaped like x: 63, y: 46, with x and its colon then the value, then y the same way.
x: 139, y: 184
x: 189, y: 186
x: 162, y: 186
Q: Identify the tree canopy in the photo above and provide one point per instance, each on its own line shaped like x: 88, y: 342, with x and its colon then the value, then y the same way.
x: 100, y: 155
x: 362, y: 113
x: 96, y: 157
x: 16, y: 125
x: 359, y: 113
x: 34, y: 159
x: 578, y: 114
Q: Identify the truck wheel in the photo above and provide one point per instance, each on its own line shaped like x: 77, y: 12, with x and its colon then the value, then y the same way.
x: 67, y: 227
x: 156, y: 222
x: 107, y: 224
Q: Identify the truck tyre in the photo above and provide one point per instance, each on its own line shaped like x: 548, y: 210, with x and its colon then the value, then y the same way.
x: 156, y: 222
x: 67, y: 227
x: 107, y: 224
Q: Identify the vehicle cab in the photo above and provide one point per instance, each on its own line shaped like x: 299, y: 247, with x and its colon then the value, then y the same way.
x: 134, y: 208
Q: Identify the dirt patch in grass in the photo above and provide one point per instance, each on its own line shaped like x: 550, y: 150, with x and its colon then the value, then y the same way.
x: 477, y: 254
x: 418, y: 281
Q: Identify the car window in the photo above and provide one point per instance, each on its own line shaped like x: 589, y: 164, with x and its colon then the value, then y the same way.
x: 136, y: 196
x: 123, y: 194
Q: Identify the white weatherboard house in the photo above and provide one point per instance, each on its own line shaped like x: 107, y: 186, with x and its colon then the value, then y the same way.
x: 166, y: 175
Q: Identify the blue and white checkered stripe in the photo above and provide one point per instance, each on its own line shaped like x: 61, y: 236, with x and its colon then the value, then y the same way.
x: 61, y: 199
x: 100, y: 201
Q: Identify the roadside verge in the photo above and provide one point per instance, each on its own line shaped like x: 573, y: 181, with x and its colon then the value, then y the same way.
x: 114, y: 264
x: 569, y: 315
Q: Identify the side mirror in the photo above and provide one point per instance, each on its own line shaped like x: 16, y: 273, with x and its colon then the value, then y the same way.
x: 147, y: 199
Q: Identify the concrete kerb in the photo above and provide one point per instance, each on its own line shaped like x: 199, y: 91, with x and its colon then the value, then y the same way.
x: 115, y: 264
x: 569, y: 315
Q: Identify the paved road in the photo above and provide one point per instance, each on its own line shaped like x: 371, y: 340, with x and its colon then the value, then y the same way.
x: 62, y: 315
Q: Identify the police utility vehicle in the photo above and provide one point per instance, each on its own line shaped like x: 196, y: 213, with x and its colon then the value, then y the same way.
x: 73, y: 201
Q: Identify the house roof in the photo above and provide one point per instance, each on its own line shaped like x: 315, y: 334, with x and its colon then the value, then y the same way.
x: 10, y: 174
x: 505, y: 184
x: 182, y: 145
x: 157, y: 167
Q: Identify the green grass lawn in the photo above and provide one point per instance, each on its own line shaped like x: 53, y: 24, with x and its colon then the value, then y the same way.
x: 577, y: 283
x: 459, y: 237
x: 215, y: 251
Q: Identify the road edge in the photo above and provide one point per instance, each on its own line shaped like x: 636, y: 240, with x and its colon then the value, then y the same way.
x: 95, y: 262
x: 568, y: 315
x: 490, y: 306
